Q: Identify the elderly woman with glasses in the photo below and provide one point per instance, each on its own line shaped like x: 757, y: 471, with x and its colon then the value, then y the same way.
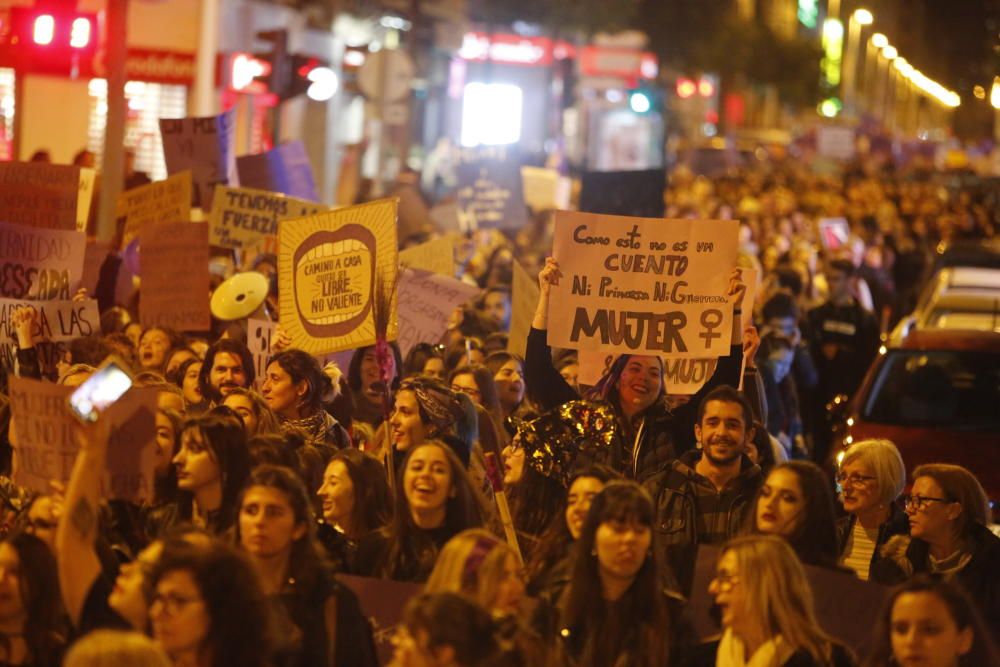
x: 949, y: 537
x: 870, y: 481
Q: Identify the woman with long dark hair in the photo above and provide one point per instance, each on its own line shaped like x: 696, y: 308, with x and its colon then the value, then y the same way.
x: 614, y: 611
x: 508, y: 375
x: 355, y: 501
x: 294, y: 386
x: 795, y: 502
x: 425, y: 359
x: 31, y: 629
x: 434, y: 502
x: 320, y: 620
x: 212, y: 466
x: 932, y: 623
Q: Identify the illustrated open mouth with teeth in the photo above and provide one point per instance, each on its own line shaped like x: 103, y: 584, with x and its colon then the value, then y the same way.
x: 334, y: 280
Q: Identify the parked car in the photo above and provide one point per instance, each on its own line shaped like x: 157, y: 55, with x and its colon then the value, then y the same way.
x: 936, y: 395
x: 956, y: 297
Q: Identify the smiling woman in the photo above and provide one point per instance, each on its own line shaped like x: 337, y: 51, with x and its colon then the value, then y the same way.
x: 436, y: 502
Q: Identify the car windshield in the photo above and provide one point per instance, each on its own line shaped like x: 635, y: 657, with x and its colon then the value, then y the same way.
x: 943, y: 389
x: 959, y: 319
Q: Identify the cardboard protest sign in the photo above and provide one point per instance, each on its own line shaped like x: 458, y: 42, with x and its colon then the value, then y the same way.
x: 681, y: 377
x: 545, y: 189
x: 205, y: 146
x: 426, y: 301
x: 490, y: 192
x: 523, y: 299
x: 93, y: 258
x: 330, y: 269
x: 834, y: 232
x: 175, y: 281
x: 835, y: 142
x: 847, y: 608
x: 40, y: 264
x: 153, y: 204
x: 640, y: 286
x: 632, y: 193
x: 382, y: 602
x: 446, y: 217
x: 242, y: 217
x: 51, y: 196
x: 46, y: 444
x: 437, y: 256
x: 57, y: 321
x: 284, y: 169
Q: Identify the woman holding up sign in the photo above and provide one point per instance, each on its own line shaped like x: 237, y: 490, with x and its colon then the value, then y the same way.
x: 649, y: 432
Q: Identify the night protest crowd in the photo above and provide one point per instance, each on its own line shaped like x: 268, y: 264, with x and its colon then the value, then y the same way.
x: 268, y: 489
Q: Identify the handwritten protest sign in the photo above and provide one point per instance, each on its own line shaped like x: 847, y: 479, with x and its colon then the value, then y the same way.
x: 490, y: 192
x: 175, y: 283
x: 242, y: 217
x: 523, y: 299
x: 545, y: 189
x: 835, y: 142
x: 632, y: 193
x: 330, y: 268
x: 833, y: 232
x: 46, y: 445
x: 205, y: 146
x: 153, y: 204
x: 426, y: 301
x: 847, y: 608
x: 57, y: 323
x: 641, y: 286
x: 51, y: 196
x: 437, y: 256
x: 382, y: 602
x: 284, y: 169
x: 446, y: 217
x: 40, y: 264
x: 681, y: 377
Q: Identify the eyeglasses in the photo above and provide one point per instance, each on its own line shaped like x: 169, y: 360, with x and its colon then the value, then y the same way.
x: 854, y: 479
x: 474, y: 393
x: 726, y: 581
x: 172, y: 604
x: 919, y: 503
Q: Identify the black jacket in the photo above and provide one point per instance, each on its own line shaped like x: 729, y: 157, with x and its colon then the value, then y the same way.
x: 897, y: 524
x: 903, y: 557
x: 687, y: 504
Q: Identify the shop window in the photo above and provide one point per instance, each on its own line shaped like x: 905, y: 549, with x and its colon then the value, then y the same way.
x: 146, y: 104
x: 491, y: 114
x: 6, y: 113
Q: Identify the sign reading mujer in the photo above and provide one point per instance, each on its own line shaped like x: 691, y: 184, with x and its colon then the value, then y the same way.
x: 642, y: 285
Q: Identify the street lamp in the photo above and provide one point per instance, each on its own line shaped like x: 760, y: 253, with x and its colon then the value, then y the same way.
x: 860, y: 18
x: 880, y: 41
x: 890, y: 53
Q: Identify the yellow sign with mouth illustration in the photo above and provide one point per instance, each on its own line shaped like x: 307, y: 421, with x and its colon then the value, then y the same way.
x: 330, y: 269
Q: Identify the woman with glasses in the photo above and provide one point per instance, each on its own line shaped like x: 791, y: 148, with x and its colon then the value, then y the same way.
x: 949, y: 514
x: 208, y: 608
x: 319, y: 621
x: 795, y: 503
x: 615, y: 611
x: 766, y: 608
x: 870, y: 480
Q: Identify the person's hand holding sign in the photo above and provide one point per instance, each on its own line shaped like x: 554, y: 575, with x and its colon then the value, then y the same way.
x: 24, y: 325
x: 737, y: 290
x: 547, y: 277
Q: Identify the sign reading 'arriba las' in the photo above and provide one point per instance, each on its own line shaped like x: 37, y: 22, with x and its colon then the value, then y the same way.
x: 643, y: 286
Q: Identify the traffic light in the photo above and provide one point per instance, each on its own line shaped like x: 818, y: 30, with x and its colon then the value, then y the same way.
x: 53, y: 39
x: 287, y: 75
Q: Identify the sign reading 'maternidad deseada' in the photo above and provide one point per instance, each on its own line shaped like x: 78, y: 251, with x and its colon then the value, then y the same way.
x: 643, y: 286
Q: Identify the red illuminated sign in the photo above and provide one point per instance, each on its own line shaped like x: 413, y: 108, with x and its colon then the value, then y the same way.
x: 623, y: 63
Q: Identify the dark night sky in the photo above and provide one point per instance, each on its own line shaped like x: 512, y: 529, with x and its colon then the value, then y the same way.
x: 963, y: 37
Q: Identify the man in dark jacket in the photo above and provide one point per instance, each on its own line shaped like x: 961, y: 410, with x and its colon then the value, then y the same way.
x: 703, y: 497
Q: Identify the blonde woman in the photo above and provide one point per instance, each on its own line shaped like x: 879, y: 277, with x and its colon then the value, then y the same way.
x: 870, y: 481
x: 476, y: 564
x: 485, y: 570
x: 767, y: 611
x: 115, y: 648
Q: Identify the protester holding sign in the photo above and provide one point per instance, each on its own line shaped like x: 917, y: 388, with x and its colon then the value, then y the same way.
x: 650, y: 434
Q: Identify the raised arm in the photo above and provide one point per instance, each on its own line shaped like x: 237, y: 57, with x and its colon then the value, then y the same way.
x: 545, y: 384
x: 76, y: 535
